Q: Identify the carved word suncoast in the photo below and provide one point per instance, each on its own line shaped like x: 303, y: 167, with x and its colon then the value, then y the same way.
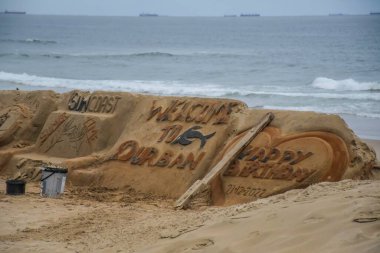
x: 130, y: 151
x: 270, y: 163
x: 93, y: 103
x: 171, y: 134
x: 190, y: 111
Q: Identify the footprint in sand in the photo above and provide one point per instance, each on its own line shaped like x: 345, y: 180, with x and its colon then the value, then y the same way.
x: 313, y: 219
x: 202, y: 244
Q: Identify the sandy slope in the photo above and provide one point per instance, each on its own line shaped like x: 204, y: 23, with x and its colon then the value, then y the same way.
x: 316, y: 219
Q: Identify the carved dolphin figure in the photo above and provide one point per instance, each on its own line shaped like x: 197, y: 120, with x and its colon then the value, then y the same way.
x: 184, y: 139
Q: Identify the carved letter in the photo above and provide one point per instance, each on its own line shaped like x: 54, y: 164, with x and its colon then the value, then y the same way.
x: 173, y: 132
x: 274, y: 154
x: 191, y: 161
x: 233, y: 169
x: 223, y: 113
x: 83, y: 105
x: 145, y: 155
x: 180, y: 159
x: 190, y: 118
x: 73, y: 101
x: 301, y: 157
x: 181, y: 115
x: 92, y: 108
x: 117, y: 100
x: 164, y: 159
x: 132, y: 145
x: 260, y: 154
x: 109, y: 105
x: 102, y: 104
x: 287, y: 156
x: 154, y: 111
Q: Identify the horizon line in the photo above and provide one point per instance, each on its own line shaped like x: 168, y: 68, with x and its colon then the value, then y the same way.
x: 221, y: 15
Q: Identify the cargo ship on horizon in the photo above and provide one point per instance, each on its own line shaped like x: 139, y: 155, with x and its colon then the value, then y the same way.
x: 15, y: 12
x: 148, y: 15
x: 249, y: 15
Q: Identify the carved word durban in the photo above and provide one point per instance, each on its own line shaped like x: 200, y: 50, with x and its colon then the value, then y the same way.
x: 130, y: 151
x: 270, y: 163
x: 189, y: 111
x: 93, y: 103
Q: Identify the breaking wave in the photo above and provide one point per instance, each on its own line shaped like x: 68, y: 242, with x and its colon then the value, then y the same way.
x: 30, y: 40
x: 345, y: 85
x: 138, y: 86
x: 38, y: 41
x: 152, y: 54
x: 328, y: 102
x: 92, y: 56
x: 176, y: 88
x: 149, y: 54
x: 327, y: 109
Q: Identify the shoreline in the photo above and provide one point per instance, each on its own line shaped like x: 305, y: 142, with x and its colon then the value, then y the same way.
x: 375, y: 144
x: 364, y: 127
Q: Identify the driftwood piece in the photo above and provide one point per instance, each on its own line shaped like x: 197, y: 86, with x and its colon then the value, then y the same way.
x: 224, y: 162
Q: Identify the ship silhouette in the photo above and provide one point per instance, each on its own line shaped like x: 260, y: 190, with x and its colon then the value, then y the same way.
x: 14, y: 12
x: 249, y: 15
x: 148, y: 15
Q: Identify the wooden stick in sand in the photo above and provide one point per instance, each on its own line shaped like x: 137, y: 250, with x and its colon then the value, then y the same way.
x: 223, y: 164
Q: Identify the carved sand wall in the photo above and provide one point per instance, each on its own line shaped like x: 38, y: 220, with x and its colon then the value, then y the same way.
x: 162, y: 145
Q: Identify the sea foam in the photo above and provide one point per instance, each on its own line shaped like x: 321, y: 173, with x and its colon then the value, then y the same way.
x: 334, y: 101
x: 344, y: 85
x: 139, y: 86
x: 167, y: 87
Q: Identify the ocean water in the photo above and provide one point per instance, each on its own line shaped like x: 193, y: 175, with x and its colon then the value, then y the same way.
x: 328, y: 64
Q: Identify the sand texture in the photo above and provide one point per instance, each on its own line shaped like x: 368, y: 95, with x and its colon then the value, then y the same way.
x: 319, y: 218
x: 162, y: 145
x: 305, y: 183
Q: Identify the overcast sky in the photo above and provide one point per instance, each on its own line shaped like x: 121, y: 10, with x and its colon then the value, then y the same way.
x: 191, y: 7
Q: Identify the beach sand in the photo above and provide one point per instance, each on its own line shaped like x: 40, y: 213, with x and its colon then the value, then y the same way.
x: 339, y: 216
x: 320, y: 218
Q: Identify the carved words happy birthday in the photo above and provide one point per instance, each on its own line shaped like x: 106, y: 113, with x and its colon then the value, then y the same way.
x: 270, y: 163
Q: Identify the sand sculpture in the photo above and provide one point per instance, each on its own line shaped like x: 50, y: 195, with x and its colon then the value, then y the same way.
x: 162, y: 145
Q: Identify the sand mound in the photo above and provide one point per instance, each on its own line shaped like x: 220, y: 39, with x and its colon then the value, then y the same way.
x: 327, y: 217
x: 162, y: 145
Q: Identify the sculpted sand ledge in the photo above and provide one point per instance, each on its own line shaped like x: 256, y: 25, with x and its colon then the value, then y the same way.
x: 162, y: 145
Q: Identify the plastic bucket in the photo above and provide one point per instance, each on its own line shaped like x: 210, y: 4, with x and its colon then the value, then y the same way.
x: 15, y: 187
x: 53, y: 181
